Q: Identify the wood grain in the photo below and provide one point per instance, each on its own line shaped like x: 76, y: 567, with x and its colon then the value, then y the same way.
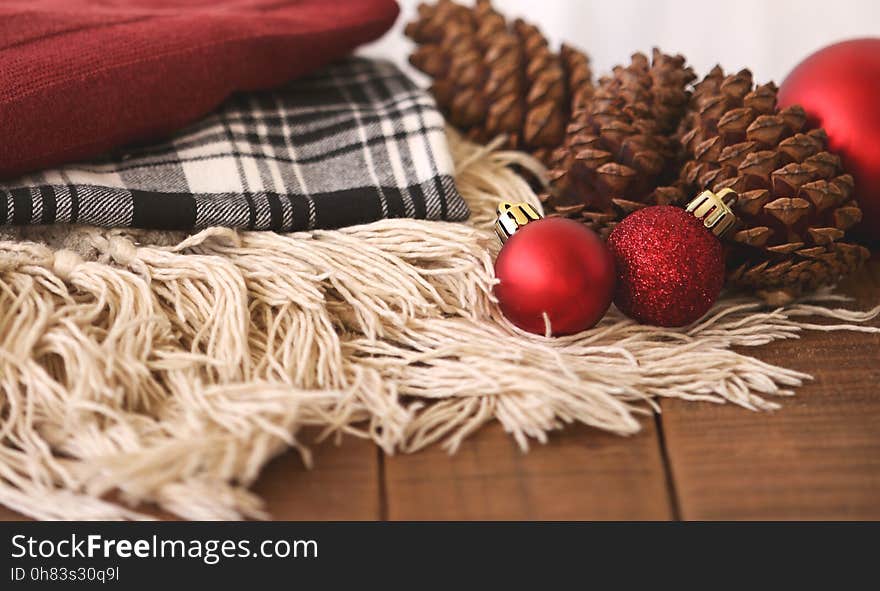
x: 344, y: 484
x: 581, y: 473
x: 816, y: 458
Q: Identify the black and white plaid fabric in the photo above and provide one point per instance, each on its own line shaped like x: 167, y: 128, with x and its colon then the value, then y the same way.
x: 354, y: 143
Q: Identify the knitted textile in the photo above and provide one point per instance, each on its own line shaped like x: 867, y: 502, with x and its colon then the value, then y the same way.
x: 80, y: 77
x: 355, y: 142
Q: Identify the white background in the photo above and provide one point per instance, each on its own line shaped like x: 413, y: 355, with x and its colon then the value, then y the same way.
x: 769, y: 37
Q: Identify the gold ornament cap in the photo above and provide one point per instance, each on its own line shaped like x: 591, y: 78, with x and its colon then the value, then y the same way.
x: 512, y: 217
x: 714, y: 210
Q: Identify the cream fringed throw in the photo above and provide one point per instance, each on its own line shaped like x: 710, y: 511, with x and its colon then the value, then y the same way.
x: 141, y: 366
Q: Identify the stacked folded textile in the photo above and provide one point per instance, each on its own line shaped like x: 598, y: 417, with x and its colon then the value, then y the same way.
x: 352, y: 143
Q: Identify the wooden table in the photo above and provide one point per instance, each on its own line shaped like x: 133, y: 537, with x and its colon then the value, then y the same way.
x: 817, y: 458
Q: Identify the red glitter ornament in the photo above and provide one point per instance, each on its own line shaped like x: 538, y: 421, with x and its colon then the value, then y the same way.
x: 670, y: 267
x: 552, y: 266
x: 839, y: 88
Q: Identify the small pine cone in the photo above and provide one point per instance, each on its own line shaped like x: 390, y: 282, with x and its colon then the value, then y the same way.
x: 619, y: 145
x: 492, y: 78
x: 580, y: 76
x: 795, y: 200
x: 433, y: 19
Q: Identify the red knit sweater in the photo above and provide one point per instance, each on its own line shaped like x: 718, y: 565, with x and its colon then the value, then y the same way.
x: 78, y: 77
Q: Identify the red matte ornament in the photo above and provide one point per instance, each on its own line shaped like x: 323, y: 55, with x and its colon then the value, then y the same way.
x: 839, y: 88
x: 556, y: 267
x: 670, y: 267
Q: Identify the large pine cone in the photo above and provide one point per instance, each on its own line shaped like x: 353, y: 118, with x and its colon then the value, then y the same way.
x: 492, y: 79
x: 620, y: 145
x: 795, y: 202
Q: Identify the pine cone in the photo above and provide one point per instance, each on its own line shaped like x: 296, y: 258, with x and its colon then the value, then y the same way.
x: 620, y: 145
x: 795, y: 201
x: 491, y: 78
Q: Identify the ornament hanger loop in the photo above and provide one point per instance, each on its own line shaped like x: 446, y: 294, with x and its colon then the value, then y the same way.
x: 512, y: 217
x: 714, y: 209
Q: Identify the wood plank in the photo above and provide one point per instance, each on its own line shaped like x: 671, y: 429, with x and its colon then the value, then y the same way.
x: 816, y: 458
x: 581, y: 473
x: 7, y: 514
x: 343, y: 486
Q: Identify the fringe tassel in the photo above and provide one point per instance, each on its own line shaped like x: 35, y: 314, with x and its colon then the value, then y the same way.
x: 154, y: 367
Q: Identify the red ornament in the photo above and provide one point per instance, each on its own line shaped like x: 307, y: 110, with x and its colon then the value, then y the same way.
x: 839, y: 88
x: 670, y: 267
x: 556, y: 267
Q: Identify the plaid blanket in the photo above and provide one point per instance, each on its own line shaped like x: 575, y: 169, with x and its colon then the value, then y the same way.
x: 354, y: 143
